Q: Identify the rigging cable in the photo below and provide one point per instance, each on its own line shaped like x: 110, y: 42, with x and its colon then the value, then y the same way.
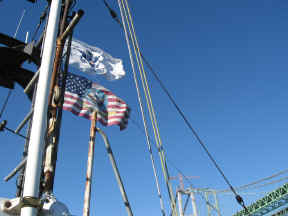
x: 113, y: 13
x: 269, y: 183
x: 149, y: 104
x: 3, y: 126
x: 23, y: 14
x: 238, y: 198
x: 262, y: 185
x: 142, y: 113
x: 256, y: 182
x: 181, y: 172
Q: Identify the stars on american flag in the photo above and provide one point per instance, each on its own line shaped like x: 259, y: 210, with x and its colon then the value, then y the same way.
x: 77, y: 85
x: 83, y: 97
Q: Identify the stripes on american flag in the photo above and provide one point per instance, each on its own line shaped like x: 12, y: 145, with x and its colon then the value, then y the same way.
x: 83, y: 97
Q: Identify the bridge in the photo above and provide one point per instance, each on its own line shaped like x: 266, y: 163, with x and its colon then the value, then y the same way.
x: 269, y: 203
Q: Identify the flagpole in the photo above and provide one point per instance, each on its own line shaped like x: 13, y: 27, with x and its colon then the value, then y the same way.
x: 36, y: 143
x: 53, y: 133
x: 116, y: 172
x: 87, y: 195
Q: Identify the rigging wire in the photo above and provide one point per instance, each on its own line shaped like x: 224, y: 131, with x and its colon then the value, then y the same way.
x: 23, y: 14
x: 269, y: 183
x: 142, y: 113
x: 112, y: 13
x: 262, y: 185
x: 238, y: 198
x: 256, y: 182
x: 221, y: 191
x: 129, y: 22
x: 3, y: 126
x: 179, y: 171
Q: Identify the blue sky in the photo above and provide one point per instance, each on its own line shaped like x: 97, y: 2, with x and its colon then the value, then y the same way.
x: 224, y: 62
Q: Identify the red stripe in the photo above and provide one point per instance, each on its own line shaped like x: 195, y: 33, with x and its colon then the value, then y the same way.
x: 116, y: 106
x: 76, y: 101
x: 103, y: 121
x: 74, y: 104
x: 71, y: 96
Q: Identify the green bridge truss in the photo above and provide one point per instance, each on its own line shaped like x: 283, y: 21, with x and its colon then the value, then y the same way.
x: 282, y: 212
x: 270, y: 202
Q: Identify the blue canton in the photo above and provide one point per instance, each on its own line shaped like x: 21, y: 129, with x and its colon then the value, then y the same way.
x: 77, y: 85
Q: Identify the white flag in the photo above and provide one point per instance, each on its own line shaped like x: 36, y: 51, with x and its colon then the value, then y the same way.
x: 93, y: 60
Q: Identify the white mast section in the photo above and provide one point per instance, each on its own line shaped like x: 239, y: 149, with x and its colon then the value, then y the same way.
x: 36, y: 143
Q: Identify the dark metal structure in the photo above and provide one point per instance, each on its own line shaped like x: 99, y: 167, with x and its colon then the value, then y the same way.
x: 12, y: 56
x: 267, y: 204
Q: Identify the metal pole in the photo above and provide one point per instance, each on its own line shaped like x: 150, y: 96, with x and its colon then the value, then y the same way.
x: 54, y: 132
x: 16, y: 169
x: 28, y: 88
x: 35, y: 151
x: 179, y: 195
x: 60, y: 45
x: 22, y: 124
x: 216, y: 203
x: 116, y: 172
x: 192, y: 196
x: 87, y: 195
x: 207, y: 203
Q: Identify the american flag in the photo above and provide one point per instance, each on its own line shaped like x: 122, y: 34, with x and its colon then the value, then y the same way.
x: 83, y: 97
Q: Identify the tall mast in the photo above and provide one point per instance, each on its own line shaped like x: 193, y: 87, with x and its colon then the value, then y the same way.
x: 36, y: 143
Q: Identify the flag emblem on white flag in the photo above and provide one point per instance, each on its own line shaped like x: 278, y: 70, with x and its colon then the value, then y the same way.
x: 93, y: 60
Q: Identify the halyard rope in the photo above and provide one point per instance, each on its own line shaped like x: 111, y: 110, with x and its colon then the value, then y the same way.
x: 148, y: 99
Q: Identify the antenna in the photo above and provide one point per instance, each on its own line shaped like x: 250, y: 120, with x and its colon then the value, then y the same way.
x: 27, y: 37
x: 180, y: 177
